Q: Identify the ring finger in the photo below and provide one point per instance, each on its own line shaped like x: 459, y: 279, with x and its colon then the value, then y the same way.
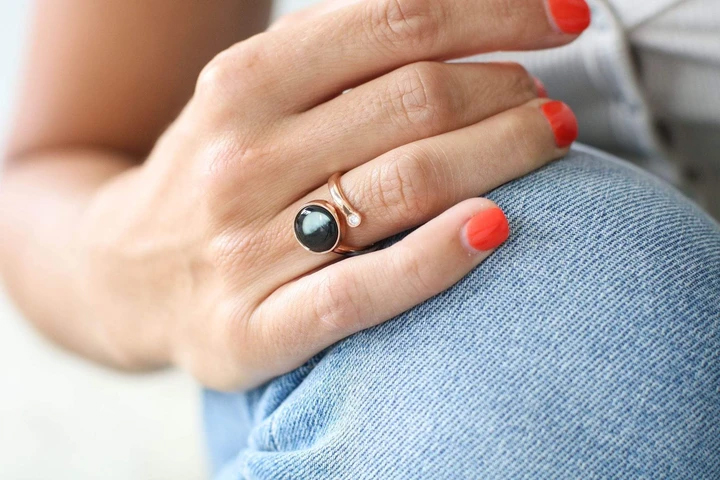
x: 411, y: 184
x: 417, y: 101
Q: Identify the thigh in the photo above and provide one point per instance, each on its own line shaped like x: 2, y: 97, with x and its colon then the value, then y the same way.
x: 585, y: 347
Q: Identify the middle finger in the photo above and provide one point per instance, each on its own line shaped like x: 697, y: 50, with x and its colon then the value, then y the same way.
x: 333, y: 52
x: 414, y: 102
x: 413, y: 183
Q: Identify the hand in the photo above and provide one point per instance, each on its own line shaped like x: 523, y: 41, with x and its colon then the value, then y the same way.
x: 192, y: 257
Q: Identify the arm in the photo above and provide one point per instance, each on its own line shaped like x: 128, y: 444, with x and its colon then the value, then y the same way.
x: 103, y: 80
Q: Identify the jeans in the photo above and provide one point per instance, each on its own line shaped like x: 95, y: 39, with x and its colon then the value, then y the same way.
x: 588, y: 346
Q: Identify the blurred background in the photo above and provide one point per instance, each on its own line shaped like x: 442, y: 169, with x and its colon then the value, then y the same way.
x: 62, y: 418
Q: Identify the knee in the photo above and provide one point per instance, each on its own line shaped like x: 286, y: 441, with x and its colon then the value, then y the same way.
x: 606, y: 236
x: 599, y: 318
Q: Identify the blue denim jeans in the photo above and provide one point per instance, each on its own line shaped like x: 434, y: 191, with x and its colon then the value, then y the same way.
x: 586, y: 347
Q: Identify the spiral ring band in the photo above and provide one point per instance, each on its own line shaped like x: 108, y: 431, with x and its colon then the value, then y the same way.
x: 352, y: 216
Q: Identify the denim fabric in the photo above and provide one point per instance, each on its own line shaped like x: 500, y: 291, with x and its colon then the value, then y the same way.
x: 586, y: 347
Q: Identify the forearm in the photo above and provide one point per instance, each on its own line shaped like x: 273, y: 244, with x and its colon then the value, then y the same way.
x: 43, y: 201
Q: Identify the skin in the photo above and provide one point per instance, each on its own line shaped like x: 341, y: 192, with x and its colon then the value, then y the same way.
x: 151, y: 184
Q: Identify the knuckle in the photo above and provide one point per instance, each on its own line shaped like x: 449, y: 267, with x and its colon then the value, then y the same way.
x: 233, y: 71
x: 227, y: 250
x: 233, y: 245
x: 520, y: 80
x: 219, y: 167
x: 514, y: 128
x: 337, y: 304
x: 420, y: 279
x: 421, y: 97
x: 526, y: 132
x: 512, y: 17
x: 404, y: 191
x: 228, y: 174
x: 403, y: 24
x: 216, y: 76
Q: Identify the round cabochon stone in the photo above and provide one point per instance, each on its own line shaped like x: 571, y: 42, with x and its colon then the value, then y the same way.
x: 316, y: 229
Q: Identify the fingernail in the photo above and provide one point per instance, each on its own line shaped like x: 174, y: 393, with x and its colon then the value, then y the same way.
x: 487, y: 230
x: 563, y: 123
x: 540, y: 87
x: 570, y: 16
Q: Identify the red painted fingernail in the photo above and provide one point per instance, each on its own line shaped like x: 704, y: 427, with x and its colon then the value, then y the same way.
x: 570, y: 16
x: 487, y: 230
x: 540, y: 87
x: 563, y: 123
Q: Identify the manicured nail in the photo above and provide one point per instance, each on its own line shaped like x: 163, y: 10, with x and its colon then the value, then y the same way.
x: 487, y: 230
x: 540, y: 87
x: 563, y: 123
x: 570, y: 16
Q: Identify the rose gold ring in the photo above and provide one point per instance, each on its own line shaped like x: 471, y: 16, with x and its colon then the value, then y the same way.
x: 320, y: 225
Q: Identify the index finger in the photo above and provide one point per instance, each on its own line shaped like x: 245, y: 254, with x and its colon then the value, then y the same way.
x: 302, y: 65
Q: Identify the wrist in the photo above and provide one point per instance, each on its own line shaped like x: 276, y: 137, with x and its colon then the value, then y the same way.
x: 115, y: 253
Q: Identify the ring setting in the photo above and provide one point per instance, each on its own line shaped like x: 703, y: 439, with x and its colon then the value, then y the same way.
x: 320, y: 225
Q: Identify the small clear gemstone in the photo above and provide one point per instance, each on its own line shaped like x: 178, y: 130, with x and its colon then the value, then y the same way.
x: 353, y: 220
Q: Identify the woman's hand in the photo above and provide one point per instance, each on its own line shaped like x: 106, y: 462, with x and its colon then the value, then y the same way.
x: 191, y: 258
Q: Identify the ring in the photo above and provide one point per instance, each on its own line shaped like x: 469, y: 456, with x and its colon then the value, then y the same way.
x: 320, y: 225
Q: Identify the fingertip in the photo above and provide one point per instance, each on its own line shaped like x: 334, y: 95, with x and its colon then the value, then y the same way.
x: 486, y: 230
x: 571, y: 17
x: 563, y: 122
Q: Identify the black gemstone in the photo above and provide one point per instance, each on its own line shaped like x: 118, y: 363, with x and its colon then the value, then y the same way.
x: 316, y: 229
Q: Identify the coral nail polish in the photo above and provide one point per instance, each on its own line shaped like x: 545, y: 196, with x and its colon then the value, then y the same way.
x: 487, y: 230
x: 540, y: 87
x: 570, y: 16
x: 563, y: 123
